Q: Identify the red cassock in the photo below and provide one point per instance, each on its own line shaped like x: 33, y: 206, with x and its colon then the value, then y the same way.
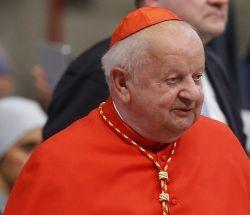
x: 90, y: 169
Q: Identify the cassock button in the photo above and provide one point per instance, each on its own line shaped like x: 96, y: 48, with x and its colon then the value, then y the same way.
x: 164, y: 158
x: 173, y: 201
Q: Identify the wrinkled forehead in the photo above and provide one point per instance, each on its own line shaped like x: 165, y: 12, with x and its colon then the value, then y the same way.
x: 172, y: 45
x: 173, y: 37
x: 171, y: 32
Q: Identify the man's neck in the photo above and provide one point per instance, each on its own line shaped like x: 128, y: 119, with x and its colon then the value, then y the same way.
x: 150, y: 135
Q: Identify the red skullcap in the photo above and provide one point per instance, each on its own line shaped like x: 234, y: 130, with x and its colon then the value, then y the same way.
x: 139, y: 19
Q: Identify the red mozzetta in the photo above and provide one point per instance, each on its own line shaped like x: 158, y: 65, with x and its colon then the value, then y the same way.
x: 90, y: 169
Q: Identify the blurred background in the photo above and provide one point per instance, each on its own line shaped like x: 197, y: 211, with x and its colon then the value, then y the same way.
x: 28, y: 26
x: 78, y: 23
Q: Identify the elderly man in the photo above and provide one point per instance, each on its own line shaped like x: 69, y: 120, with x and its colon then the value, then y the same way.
x: 146, y: 150
x: 83, y: 87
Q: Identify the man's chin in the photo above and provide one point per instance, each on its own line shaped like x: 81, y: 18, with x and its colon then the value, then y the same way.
x: 182, y: 126
x: 216, y: 29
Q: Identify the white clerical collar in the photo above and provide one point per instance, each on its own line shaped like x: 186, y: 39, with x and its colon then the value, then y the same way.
x: 117, y: 111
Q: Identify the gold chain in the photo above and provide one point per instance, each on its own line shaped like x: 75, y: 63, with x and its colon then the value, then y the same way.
x: 164, y: 197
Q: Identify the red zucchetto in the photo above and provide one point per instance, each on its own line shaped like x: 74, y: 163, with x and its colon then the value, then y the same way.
x: 140, y: 19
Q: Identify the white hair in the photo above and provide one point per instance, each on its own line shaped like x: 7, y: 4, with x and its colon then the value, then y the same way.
x: 132, y: 53
x: 129, y: 54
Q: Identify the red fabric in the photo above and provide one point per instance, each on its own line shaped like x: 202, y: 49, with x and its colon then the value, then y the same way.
x: 89, y: 169
x: 111, y: 114
x: 140, y: 19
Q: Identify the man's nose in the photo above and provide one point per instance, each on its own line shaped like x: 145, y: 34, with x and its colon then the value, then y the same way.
x: 191, y: 91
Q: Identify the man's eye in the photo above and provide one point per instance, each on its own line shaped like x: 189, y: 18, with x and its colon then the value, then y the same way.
x: 29, y: 146
x: 197, y: 77
x: 172, y: 80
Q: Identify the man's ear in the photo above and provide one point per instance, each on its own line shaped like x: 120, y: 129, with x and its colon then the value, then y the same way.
x: 118, y: 81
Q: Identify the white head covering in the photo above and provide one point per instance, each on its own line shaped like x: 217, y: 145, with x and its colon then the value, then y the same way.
x: 17, y: 117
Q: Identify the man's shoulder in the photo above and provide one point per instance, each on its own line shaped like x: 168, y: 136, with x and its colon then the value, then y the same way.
x: 213, y: 139
x: 210, y: 133
x: 79, y: 129
x: 206, y: 125
x: 71, y: 143
x: 77, y: 134
x: 206, y: 129
x: 208, y: 122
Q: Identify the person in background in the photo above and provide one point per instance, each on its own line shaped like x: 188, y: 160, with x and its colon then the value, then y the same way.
x: 83, y: 85
x: 6, y: 85
x: 21, y: 122
x: 246, y: 93
x: 146, y: 150
x: 42, y: 85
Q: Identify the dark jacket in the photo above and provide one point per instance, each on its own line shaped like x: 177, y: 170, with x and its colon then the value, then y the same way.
x: 226, y: 97
x: 83, y: 87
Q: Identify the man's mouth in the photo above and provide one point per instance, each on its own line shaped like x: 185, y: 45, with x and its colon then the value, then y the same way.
x: 183, y: 111
x: 219, y: 14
